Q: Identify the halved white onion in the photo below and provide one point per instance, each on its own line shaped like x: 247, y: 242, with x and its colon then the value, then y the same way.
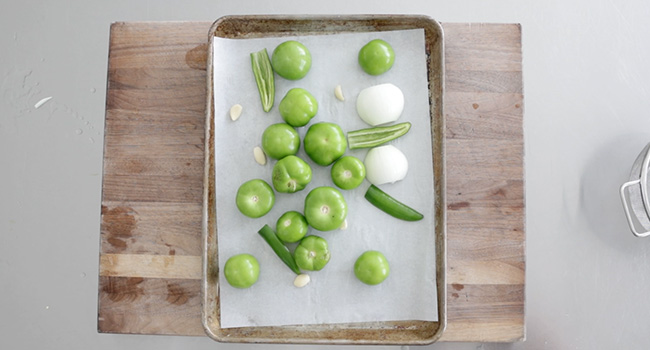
x: 380, y: 104
x: 385, y: 164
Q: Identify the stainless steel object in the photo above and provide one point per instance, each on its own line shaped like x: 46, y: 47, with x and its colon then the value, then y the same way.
x: 635, y: 199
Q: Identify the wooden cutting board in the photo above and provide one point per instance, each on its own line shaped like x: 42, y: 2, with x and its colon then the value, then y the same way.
x: 150, y: 253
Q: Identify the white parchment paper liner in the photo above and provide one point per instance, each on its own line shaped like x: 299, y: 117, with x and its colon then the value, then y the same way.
x: 334, y: 294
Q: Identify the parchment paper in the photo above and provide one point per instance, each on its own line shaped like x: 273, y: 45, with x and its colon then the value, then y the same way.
x: 334, y: 294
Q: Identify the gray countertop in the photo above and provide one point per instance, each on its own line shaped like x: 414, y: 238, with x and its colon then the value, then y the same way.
x: 586, y: 86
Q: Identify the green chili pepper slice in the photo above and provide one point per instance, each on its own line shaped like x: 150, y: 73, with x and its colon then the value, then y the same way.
x: 279, y: 248
x: 373, y: 137
x: 390, y: 205
x: 264, y: 78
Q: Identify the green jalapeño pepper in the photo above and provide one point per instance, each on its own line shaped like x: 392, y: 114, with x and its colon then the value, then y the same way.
x: 390, y: 205
x: 279, y: 248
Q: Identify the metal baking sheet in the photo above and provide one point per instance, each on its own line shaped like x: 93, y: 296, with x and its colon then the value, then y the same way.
x: 393, y: 332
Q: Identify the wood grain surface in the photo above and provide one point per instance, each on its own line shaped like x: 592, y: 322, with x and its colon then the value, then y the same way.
x: 150, y: 265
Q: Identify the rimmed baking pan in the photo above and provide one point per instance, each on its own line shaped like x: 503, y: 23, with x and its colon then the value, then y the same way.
x: 392, y: 332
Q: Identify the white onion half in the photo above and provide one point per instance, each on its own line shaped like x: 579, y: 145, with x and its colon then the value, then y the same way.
x: 380, y: 104
x: 385, y: 164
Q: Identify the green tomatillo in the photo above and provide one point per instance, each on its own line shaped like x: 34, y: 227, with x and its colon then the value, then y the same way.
x: 371, y: 267
x: 291, y: 60
x: 348, y: 172
x: 298, y: 107
x: 312, y: 254
x: 325, y: 143
x: 280, y: 140
x: 242, y: 270
x: 291, y: 174
x: 255, y: 198
x: 325, y: 208
x: 291, y: 227
x: 376, y: 57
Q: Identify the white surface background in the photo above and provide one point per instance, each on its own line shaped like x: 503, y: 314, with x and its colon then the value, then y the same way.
x: 586, y: 79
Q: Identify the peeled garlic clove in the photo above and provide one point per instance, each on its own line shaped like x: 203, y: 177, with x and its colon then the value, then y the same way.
x: 301, y: 280
x: 235, y: 112
x: 339, y: 93
x: 259, y: 155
